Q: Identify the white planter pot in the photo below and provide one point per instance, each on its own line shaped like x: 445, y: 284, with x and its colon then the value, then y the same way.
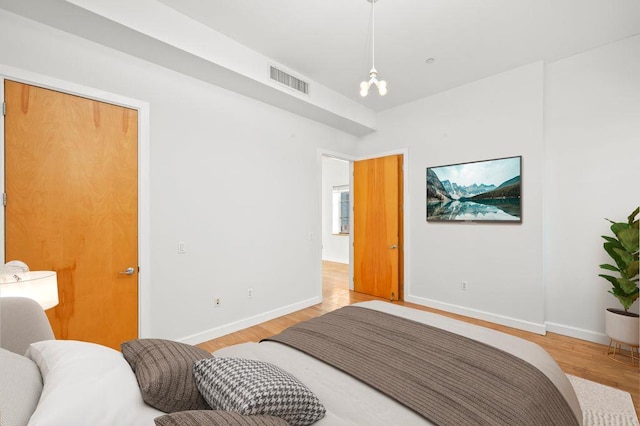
x: 622, y: 328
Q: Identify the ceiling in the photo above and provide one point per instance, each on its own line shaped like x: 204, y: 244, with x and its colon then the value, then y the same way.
x: 328, y: 41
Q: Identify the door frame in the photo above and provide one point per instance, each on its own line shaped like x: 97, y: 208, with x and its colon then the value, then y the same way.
x: 144, y: 187
x: 405, y: 210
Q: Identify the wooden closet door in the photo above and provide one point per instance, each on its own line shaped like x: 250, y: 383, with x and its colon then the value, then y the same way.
x: 72, y: 197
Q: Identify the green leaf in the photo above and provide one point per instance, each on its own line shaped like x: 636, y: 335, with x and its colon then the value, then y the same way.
x: 612, y: 240
x: 627, y: 286
x: 633, y: 269
x: 624, y: 256
x: 617, y: 292
x: 612, y: 280
x: 632, y: 216
x: 614, y: 252
x: 629, y: 239
x: 609, y: 267
x: 618, y: 227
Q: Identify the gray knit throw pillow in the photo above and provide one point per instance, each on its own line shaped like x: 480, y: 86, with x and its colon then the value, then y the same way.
x: 216, y: 418
x: 164, y: 370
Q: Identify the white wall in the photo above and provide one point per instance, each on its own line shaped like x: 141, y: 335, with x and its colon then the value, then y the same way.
x: 235, y: 179
x: 592, y: 123
x: 495, y: 117
x: 335, y: 248
x: 576, y: 122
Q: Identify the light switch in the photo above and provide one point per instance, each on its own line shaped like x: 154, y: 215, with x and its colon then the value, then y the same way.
x: 182, y: 247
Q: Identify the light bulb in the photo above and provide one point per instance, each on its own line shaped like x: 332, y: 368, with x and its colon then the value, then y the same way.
x: 382, y: 87
x: 364, y: 89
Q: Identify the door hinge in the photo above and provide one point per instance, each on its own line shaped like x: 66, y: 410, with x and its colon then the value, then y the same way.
x: 4, y: 108
x: 4, y: 199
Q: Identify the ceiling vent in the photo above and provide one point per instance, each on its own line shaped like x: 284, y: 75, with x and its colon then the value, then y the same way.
x: 288, y: 80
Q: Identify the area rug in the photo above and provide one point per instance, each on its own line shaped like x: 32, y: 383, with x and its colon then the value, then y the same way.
x: 603, y: 405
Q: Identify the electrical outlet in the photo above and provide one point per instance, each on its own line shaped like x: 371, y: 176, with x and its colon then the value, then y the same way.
x: 249, y: 293
x: 217, y: 302
x: 464, y: 285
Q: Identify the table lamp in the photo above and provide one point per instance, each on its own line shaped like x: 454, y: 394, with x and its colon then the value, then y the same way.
x: 41, y: 286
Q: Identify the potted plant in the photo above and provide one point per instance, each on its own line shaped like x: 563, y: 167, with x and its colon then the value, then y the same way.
x: 622, y: 325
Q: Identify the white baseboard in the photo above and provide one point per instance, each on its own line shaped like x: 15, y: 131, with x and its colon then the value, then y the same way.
x: 578, y: 333
x: 214, y: 333
x: 474, y: 313
x: 551, y: 327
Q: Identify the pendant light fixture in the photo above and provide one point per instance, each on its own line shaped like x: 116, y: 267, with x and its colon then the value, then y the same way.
x: 373, y: 74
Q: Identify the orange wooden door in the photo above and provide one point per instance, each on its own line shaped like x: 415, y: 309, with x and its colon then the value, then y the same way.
x: 377, y: 223
x: 72, y: 197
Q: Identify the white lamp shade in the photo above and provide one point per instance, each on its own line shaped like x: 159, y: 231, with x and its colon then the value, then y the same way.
x: 41, y: 286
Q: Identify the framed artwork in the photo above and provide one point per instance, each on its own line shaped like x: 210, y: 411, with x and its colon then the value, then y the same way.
x: 479, y: 191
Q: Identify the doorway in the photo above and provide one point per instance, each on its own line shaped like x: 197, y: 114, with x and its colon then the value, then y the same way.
x: 401, y: 189
x: 42, y: 181
x: 336, y: 223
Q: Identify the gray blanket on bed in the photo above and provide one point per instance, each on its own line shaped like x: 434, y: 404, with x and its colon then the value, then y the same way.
x: 446, y: 378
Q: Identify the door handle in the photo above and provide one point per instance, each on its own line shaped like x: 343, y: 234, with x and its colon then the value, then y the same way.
x: 394, y: 246
x: 130, y: 270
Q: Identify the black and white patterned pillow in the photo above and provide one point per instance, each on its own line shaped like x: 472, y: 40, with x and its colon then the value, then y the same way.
x: 252, y: 387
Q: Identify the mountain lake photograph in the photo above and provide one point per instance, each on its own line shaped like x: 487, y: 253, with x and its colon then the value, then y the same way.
x: 477, y: 191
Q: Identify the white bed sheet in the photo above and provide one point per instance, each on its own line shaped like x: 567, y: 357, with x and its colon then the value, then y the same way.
x: 351, y: 402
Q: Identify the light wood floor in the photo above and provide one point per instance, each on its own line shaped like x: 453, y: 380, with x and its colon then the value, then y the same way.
x: 577, y: 357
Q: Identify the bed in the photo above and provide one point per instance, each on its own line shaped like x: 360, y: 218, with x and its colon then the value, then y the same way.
x: 78, y: 383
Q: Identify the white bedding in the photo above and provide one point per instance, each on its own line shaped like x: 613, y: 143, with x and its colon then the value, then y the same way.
x: 86, y: 384
x: 350, y: 402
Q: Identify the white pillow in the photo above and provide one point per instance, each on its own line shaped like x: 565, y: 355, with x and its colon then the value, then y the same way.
x: 20, y: 387
x: 86, y: 384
